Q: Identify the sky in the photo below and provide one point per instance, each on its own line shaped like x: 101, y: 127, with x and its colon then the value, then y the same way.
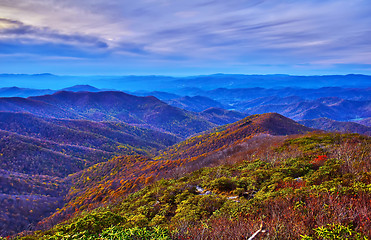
x: 185, y: 37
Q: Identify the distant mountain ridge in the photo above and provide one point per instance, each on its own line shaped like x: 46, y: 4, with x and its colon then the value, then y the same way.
x: 364, y: 121
x: 330, y: 107
x: 221, y: 116
x: 82, y: 88
x: 147, y: 112
x: 28, y: 92
x: 195, y: 104
x: 340, y: 104
x: 171, y: 84
x: 336, y: 126
x: 232, y: 95
x: 23, y: 92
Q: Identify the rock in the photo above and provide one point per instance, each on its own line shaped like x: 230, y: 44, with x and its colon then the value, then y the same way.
x: 248, y: 195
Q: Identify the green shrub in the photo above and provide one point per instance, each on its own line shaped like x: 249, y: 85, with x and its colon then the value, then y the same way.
x: 93, y: 223
x: 223, y: 184
x: 335, y: 231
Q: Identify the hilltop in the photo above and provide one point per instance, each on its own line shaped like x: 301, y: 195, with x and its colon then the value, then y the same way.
x: 227, y: 135
x: 283, y: 183
x: 109, y: 181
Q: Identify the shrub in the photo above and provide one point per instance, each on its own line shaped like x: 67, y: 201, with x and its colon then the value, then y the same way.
x: 335, y: 231
x: 93, y: 223
x: 223, y: 184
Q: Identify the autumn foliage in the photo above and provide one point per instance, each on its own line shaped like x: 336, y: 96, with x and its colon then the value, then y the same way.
x: 300, y: 188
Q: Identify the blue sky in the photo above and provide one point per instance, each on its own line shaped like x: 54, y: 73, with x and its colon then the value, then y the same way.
x: 185, y: 37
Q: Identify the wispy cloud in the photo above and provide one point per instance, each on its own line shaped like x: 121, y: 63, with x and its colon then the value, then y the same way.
x: 194, y: 32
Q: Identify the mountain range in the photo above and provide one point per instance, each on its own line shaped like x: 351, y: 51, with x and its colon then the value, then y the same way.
x: 53, y: 148
x: 341, y: 104
x: 336, y: 126
x: 248, y: 168
x: 330, y: 107
x: 172, y: 84
x: 148, y: 112
x: 66, y: 152
x: 27, y: 92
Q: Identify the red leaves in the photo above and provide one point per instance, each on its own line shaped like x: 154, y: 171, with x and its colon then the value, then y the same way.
x: 319, y: 160
x: 294, y: 184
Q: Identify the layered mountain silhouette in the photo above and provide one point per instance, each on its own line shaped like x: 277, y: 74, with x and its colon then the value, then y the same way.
x: 341, y: 104
x: 221, y: 116
x: 336, y: 126
x: 94, y: 147
x: 330, y: 107
x: 147, y: 112
x: 82, y: 88
x: 195, y: 104
x: 23, y: 92
x: 172, y: 84
x: 364, y: 121
x: 27, y: 92
x: 234, y: 95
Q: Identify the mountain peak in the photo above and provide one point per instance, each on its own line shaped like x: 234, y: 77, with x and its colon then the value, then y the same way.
x: 228, y: 135
x: 272, y: 123
x: 82, y: 88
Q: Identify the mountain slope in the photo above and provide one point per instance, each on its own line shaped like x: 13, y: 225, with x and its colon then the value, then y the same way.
x: 330, y: 107
x: 270, y: 100
x: 119, y: 106
x: 59, y: 147
x: 81, y: 88
x: 126, y: 174
x: 281, y: 188
x: 32, y: 147
x: 148, y: 112
x: 221, y: 116
x: 23, y: 92
x: 231, y: 95
x: 364, y: 121
x: 195, y: 104
x: 164, y: 96
x: 225, y: 136
x: 26, y: 199
x: 38, y: 108
x: 336, y: 126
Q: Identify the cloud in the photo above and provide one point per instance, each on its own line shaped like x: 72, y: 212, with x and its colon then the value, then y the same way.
x: 235, y: 32
x: 14, y: 31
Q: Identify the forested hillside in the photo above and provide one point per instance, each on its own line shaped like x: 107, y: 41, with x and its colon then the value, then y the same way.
x: 108, y: 182
x: 56, y: 147
x: 284, y: 185
x: 72, y: 164
x: 148, y: 112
